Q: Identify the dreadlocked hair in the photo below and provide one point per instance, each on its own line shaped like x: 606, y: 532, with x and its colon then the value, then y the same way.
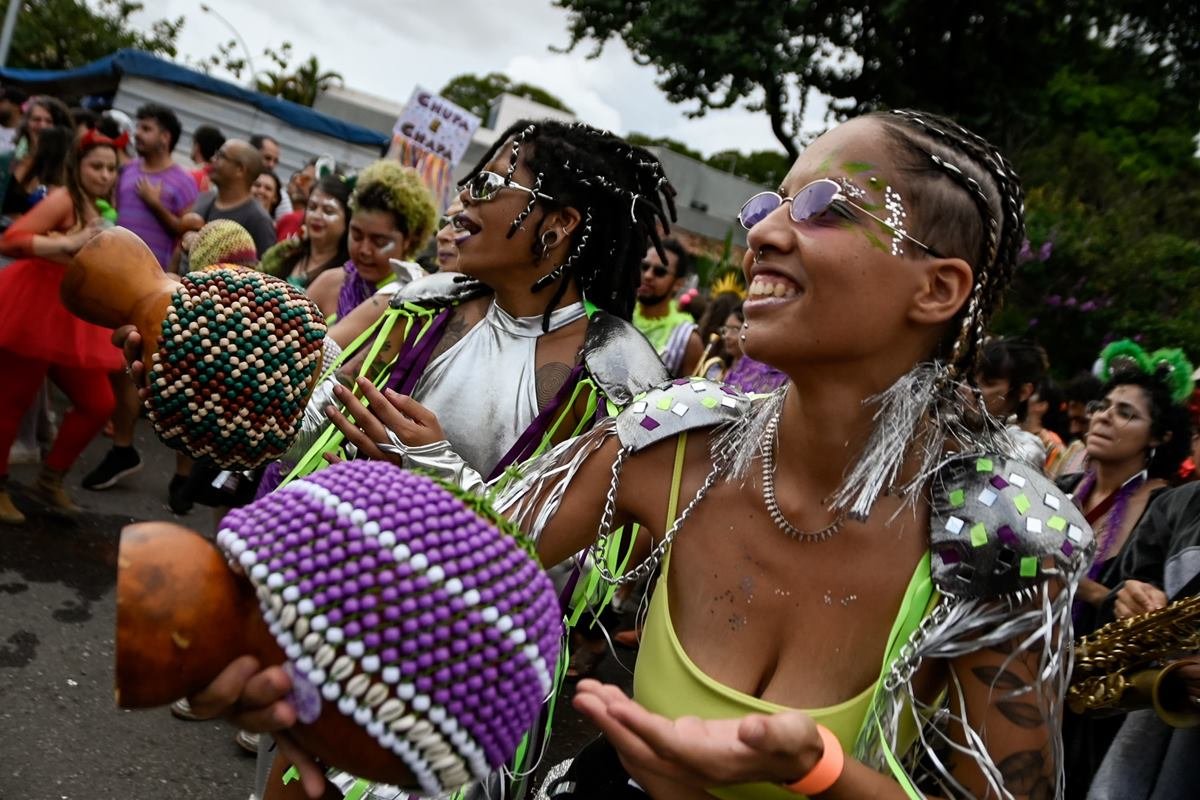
x: 620, y: 191
x: 974, y: 209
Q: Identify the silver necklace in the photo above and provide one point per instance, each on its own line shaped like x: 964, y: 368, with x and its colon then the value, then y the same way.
x: 768, y: 482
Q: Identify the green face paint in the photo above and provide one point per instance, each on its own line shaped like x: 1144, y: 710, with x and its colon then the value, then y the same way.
x: 858, y: 167
x: 875, y: 241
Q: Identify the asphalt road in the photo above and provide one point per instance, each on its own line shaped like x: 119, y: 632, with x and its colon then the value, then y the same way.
x: 61, y: 735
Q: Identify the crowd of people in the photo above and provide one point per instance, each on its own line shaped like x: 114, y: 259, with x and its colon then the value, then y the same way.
x: 779, y: 498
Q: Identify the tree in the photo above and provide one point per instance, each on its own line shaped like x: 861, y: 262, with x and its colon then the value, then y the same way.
x: 1094, y: 101
x: 764, y: 167
x: 713, y: 52
x: 61, y: 34
x: 665, y: 142
x: 475, y: 93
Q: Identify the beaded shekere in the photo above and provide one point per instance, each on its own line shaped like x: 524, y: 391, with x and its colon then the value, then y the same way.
x: 239, y: 354
x: 406, y: 608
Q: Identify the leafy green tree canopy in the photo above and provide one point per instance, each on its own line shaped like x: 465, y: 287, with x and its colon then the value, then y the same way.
x: 61, y: 34
x: 475, y: 93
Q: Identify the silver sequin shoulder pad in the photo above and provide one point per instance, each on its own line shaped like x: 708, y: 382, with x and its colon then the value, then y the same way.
x: 681, y: 405
x: 439, y: 290
x: 998, y: 526
x: 620, y: 360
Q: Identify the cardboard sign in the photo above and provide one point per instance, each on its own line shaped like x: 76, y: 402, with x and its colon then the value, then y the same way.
x: 437, y: 125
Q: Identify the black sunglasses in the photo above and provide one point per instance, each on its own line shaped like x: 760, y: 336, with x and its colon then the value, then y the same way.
x: 658, y: 269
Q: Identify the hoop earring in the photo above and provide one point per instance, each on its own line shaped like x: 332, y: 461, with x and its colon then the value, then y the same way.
x: 549, y: 240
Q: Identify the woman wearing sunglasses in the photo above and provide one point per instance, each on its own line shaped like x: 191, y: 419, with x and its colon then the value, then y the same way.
x: 821, y: 603
x: 1137, y: 438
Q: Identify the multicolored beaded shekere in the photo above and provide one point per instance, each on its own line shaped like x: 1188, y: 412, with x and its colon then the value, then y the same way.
x: 239, y: 354
x: 408, y: 608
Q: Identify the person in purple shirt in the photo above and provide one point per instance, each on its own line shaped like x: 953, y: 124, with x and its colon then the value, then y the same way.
x: 153, y: 193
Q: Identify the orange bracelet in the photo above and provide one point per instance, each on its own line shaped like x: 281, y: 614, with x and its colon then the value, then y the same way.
x: 826, y: 771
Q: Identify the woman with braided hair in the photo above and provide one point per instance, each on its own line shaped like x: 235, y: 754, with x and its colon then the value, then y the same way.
x: 863, y: 593
x: 528, y: 342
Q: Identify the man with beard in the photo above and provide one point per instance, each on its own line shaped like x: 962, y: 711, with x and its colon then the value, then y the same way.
x: 153, y: 192
x: 671, y: 331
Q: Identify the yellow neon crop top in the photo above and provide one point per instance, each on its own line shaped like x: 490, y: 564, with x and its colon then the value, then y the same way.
x: 666, y: 681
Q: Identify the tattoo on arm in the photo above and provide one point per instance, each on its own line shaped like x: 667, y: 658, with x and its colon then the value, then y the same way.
x: 549, y: 379
x: 455, y: 329
x: 1024, y: 772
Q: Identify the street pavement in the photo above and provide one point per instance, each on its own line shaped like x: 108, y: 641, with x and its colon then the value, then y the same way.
x: 61, y: 735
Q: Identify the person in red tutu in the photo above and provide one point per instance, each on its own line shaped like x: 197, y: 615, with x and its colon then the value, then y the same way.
x: 39, y: 338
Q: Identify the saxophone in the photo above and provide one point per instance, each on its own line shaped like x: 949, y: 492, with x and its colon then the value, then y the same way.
x: 1108, y: 662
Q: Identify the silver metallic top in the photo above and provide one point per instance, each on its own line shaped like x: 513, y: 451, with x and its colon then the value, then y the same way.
x: 483, y: 389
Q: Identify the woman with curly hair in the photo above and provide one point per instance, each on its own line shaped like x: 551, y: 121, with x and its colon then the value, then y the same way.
x: 392, y: 216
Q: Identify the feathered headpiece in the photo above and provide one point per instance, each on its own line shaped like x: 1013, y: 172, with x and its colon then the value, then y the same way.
x: 728, y: 284
x: 1169, y: 364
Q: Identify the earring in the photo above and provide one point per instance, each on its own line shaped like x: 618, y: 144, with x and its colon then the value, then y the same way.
x: 549, y: 239
x: 1153, y: 451
x: 745, y: 327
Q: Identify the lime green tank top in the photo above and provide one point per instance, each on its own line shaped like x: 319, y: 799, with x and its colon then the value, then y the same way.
x: 667, y: 682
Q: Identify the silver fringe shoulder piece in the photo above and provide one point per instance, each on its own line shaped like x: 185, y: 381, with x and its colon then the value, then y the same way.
x: 1007, y: 550
x: 530, y: 496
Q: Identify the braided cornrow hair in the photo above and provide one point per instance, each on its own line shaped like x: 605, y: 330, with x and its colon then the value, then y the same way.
x: 975, y: 210
x: 620, y: 191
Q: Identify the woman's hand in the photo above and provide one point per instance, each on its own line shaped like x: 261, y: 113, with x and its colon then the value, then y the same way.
x: 777, y: 748
x: 71, y: 243
x: 1092, y: 592
x: 255, y: 699
x: 129, y: 340
x: 1136, y: 597
x: 411, y: 422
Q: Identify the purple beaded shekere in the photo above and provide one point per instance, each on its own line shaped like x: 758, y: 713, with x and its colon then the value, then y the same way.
x: 408, y: 609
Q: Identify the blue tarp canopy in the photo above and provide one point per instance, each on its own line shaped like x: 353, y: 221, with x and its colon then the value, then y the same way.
x: 103, y: 75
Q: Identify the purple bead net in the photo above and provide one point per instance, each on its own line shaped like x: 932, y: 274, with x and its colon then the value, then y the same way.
x: 407, y: 610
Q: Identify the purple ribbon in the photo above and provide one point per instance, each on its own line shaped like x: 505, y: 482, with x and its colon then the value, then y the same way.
x: 354, y: 292
x: 528, y: 441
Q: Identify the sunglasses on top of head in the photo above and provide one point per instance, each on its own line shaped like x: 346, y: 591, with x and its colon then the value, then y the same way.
x: 484, y: 186
x: 814, y: 199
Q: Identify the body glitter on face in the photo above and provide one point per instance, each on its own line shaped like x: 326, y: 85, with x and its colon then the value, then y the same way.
x: 895, y: 219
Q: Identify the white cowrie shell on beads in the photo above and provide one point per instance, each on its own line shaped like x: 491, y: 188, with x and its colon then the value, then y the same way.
x: 376, y: 695
x: 341, y: 668
x: 324, y: 656
x: 390, y: 711
x: 403, y: 724
x: 358, y: 685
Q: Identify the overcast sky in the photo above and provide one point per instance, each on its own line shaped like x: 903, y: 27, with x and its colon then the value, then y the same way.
x: 385, y: 47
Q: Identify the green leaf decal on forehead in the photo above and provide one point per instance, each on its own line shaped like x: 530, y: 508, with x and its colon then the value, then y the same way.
x: 858, y: 167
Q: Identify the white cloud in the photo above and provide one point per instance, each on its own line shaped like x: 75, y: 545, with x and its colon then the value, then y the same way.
x: 385, y: 48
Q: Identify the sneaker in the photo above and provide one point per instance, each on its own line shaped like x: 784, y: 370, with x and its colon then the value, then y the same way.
x: 247, y: 741
x: 182, y: 709
x: 179, y: 494
x: 118, y: 463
